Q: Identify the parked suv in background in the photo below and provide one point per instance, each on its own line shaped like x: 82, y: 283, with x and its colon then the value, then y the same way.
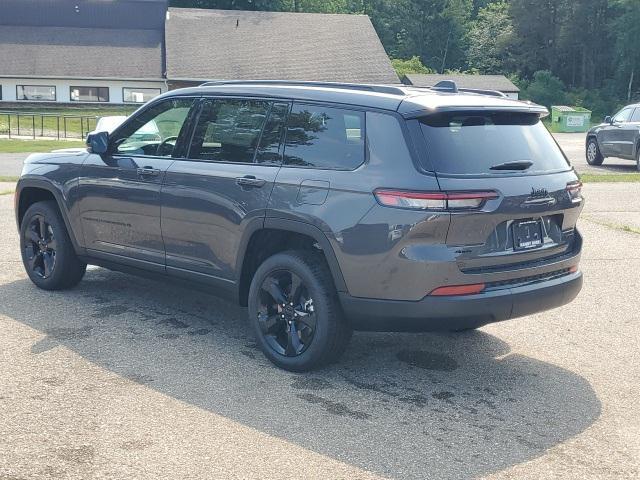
x: 617, y: 136
x: 322, y: 207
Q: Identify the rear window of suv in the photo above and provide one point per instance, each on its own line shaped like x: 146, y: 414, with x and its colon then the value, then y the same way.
x: 468, y: 143
x: 325, y: 138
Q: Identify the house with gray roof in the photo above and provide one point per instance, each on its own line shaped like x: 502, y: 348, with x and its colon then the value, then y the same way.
x: 129, y: 51
x: 230, y: 44
x: 499, y: 83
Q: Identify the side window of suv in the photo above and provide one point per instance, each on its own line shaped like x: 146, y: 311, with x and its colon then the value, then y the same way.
x: 155, y: 131
x: 635, y: 118
x: 270, y: 148
x: 623, y: 116
x: 325, y: 137
x: 229, y: 130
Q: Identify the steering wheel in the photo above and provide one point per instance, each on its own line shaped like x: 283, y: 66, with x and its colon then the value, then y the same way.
x: 163, y: 144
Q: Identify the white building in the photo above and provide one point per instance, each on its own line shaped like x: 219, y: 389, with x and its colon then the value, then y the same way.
x: 128, y: 51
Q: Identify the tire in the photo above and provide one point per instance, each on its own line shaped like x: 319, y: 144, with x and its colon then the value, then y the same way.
x: 638, y: 158
x: 49, y: 259
x: 594, y: 157
x: 312, y: 332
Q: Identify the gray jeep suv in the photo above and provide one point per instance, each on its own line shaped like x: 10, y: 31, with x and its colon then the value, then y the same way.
x: 322, y: 207
x: 617, y: 136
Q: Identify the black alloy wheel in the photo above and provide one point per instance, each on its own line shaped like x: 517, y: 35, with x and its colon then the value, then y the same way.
x: 40, y: 247
x: 286, y: 314
x: 295, y: 312
x: 47, y: 251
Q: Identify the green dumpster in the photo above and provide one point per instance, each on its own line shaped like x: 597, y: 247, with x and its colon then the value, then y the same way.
x: 570, y: 119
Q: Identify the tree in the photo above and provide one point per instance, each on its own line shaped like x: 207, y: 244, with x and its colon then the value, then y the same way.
x: 491, y: 39
x: 537, y: 25
x: 545, y: 89
x: 412, y: 65
x: 627, y: 28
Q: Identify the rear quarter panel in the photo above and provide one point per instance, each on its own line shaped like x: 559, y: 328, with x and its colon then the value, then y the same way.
x: 370, y: 242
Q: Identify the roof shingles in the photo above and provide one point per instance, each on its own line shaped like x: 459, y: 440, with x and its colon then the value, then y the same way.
x: 482, y: 82
x: 80, y: 52
x: 226, y: 44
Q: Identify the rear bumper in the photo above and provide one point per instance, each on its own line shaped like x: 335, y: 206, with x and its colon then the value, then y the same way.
x: 460, y: 312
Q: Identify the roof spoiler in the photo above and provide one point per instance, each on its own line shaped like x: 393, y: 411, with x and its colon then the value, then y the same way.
x: 388, y: 89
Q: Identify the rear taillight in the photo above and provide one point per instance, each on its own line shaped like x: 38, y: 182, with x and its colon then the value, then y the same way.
x: 454, y: 290
x: 575, y: 190
x: 433, y: 200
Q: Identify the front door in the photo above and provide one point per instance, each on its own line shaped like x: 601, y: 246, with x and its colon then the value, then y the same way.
x: 223, y: 188
x: 120, y: 190
x: 629, y: 134
x: 612, y: 137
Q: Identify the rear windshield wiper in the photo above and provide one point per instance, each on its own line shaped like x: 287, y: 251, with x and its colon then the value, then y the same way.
x: 516, y: 165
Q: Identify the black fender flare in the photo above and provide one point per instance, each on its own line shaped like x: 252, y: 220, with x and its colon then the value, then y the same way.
x: 35, y: 182
x: 294, y: 226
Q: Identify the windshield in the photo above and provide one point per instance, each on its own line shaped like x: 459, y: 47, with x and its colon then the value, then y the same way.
x: 109, y: 124
x: 490, y: 142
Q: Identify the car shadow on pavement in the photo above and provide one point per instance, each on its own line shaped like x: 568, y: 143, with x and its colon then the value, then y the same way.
x: 401, y: 405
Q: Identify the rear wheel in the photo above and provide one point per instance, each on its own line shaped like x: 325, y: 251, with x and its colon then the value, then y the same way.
x: 47, y: 253
x: 638, y: 158
x: 594, y: 157
x: 295, y: 313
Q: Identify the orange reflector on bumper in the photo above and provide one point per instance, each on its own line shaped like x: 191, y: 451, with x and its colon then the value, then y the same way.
x: 458, y: 290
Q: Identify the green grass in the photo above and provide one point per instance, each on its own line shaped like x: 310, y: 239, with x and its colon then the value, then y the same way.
x: 8, y: 179
x: 34, y: 146
x: 615, y: 226
x: 6, y: 192
x: 610, y: 178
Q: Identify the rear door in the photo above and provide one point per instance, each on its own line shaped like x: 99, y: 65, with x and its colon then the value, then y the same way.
x: 532, y: 206
x: 222, y: 187
x: 120, y: 191
x: 629, y: 135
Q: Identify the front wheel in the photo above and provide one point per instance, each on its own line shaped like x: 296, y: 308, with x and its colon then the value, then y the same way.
x: 594, y: 157
x: 638, y: 158
x: 295, y: 313
x: 47, y: 253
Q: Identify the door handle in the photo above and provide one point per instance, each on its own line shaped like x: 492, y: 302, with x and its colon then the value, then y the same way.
x: 250, y: 181
x: 148, y: 172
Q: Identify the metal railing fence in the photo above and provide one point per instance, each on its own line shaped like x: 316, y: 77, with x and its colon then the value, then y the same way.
x: 45, y: 125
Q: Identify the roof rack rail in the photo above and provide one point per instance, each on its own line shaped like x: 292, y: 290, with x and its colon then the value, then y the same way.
x: 491, y: 93
x: 389, y: 89
x: 451, y: 87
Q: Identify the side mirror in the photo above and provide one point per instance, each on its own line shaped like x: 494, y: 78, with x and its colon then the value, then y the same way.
x: 98, y: 142
x: 608, y: 120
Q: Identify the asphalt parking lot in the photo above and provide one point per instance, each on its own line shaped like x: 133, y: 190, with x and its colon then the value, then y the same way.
x: 124, y: 377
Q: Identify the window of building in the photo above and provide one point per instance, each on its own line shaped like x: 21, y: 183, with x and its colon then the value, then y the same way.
x: 36, y: 92
x: 139, y: 95
x: 89, y: 94
x: 229, y: 130
x: 324, y: 137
